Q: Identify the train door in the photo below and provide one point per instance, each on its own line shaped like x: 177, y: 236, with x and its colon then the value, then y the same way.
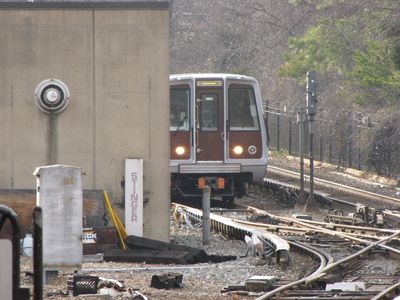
x: 209, y: 120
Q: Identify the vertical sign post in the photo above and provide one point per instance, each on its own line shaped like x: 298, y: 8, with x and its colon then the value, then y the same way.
x: 134, y: 196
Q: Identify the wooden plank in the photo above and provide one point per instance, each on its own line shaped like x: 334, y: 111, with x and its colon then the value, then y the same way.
x: 138, y: 242
x: 150, y: 256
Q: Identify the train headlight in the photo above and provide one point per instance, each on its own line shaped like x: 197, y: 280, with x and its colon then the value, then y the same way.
x: 252, y: 149
x: 238, y: 150
x: 180, y: 150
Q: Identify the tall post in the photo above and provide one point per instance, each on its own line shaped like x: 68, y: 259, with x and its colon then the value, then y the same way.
x: 311, y: 111
x: 350, y: 138
x: 359, y: 144
x: 278, y: 146
x: 290, y: 135
x: 206, y: 214
x: 37, y: 254
x: 321, y: 142
x: 311, y: 129
x: 300, y: 122
x: 330, y: 143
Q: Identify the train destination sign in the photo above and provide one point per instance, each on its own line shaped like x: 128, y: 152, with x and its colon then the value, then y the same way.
x: 210, y: 83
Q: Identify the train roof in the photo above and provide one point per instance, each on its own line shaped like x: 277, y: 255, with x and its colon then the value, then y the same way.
x: 210, y: 75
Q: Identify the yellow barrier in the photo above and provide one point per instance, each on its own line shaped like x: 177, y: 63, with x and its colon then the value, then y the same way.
x: 122, y: 235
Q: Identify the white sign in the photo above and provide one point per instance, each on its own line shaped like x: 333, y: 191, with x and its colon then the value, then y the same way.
x: 89, y: 236
x: 134, y: 196
x: 6, y: 269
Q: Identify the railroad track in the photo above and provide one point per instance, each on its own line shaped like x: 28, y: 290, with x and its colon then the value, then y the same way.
x: 339, y: 191
x: 361, y: 202
x: 315, y: 281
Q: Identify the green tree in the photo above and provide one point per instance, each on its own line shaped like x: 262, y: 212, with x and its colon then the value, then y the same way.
x: 360, y: 44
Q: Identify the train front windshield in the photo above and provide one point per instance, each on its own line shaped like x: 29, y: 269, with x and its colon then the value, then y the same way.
x: 242, y: 109
x: 179, y: 109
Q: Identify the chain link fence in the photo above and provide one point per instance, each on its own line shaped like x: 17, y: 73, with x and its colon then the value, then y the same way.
x: 347, y: 141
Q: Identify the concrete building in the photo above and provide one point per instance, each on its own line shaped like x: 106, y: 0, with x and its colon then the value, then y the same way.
x: 103, y: 67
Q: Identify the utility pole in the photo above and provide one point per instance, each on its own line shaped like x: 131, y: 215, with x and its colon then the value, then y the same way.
x: 311, y: 111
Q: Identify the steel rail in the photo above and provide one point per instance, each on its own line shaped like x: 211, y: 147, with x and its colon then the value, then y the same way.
x: 280, y: 228
x: 289, y: 221
x: 386, y: 291
x: 328, y: 267
x: 324, y: 259
x: 232, y: 226
x: 228, y: 224
x: 392, y: 250
x: 235, y: 229
x: 357, y: 254
x: 338, y: 185
x: 319, y: 194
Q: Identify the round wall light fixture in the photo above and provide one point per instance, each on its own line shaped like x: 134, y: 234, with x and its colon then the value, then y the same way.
x: 52, y: 96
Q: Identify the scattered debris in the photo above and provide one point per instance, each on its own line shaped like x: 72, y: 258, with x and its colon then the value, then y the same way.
x: 94, y: 297
x: 252, y: 285
x: 231, y: 288
x: 351, y: 220
x: 259, y: 283
x: 82, y: 284
x: 302, y: 216
x: 94, y: 287
x: 254, y: 245
x: 142, y: 249
x: 98, y: 257
x: 167, y: 281
x: 57, y: 293
x: 260, y: 218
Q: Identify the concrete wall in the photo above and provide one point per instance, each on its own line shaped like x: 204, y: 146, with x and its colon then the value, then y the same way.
x: 115, y: 63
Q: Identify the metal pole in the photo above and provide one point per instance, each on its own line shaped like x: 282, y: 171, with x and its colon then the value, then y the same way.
x: 290, y: 135
x: 359, y: 146
x: 311, y: 120
x: 300, y: 121
x: 277, y: 132
x: 311, y: 111
x: 206, y: 215
x: 350, y: 137
x: 37, y: 254
x: 321, y: 142
x: 330, y: 144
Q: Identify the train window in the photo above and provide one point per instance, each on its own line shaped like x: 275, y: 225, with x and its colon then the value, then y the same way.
x: 179, y: 108
x: 242, y: 109
x: 209, y: 112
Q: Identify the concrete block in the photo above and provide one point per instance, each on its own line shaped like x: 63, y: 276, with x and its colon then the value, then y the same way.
x: 167, y: 281
x: 346, y: 286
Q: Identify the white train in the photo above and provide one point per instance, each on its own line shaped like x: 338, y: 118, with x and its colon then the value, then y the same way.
x: 218, y: 135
